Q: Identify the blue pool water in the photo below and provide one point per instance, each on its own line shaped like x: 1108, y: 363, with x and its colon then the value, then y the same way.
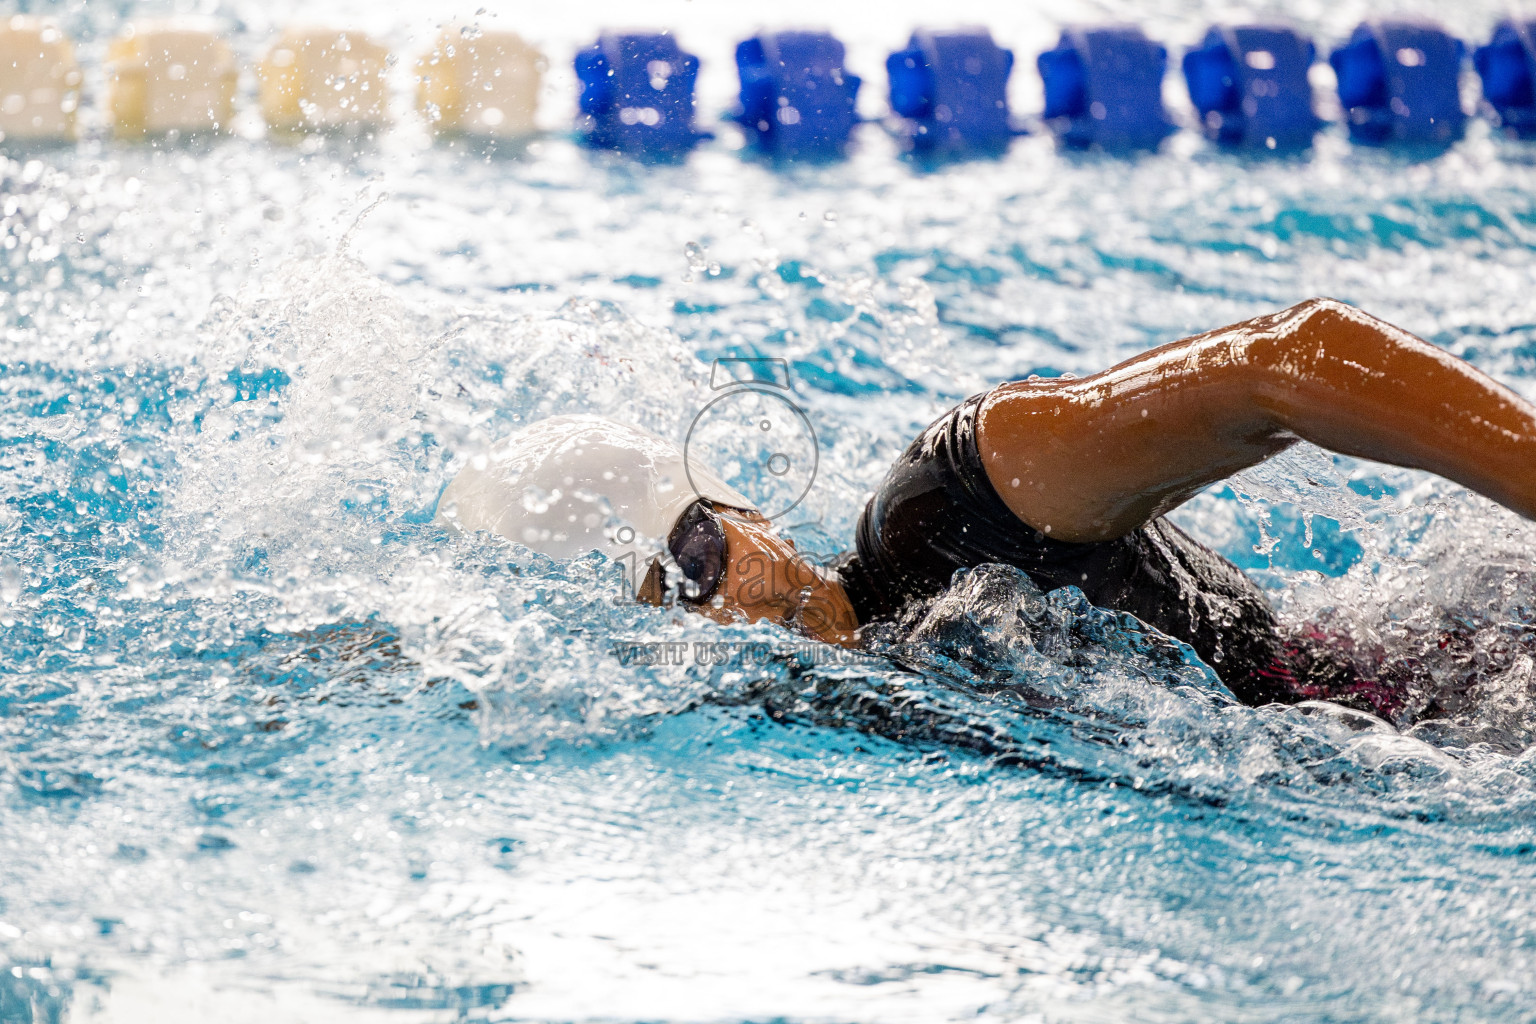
x: 274, y: 747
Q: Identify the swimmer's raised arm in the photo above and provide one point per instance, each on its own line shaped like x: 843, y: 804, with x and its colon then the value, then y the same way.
x: 1095, y: 458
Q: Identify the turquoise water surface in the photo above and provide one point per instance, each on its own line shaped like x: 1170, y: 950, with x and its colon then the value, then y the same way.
x: 275, y: 747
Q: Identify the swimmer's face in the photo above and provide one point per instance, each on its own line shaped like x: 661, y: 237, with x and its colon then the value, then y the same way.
x: 761, y: 576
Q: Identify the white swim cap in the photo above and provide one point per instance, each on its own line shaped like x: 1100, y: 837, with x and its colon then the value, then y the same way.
x: 572, y: 484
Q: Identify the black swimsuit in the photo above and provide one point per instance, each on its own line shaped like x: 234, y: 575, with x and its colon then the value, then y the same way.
x: 937, y: 512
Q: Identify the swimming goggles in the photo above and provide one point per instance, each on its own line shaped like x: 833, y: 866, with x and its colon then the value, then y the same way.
x: 697, y: 544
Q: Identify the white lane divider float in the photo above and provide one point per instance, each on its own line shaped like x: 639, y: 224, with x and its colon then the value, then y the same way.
x: 316, y: 79
x: 39, y: 81
x: 480, y: 83
x: 166, y: 76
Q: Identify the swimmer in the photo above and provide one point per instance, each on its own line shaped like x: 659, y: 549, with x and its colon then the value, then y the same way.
x: 1067, y: 479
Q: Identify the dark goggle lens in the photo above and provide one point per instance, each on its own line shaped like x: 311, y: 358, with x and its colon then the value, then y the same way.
x: 698, y: 546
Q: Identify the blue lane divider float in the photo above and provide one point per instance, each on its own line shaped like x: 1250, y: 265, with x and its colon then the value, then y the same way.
x: 1104, y: 88
x: 797, y: 98
x: 1398, y: 80
x: 1507, y: 66
x: 1249, y: 83
x: 950, y: 90
x: 637, y: 95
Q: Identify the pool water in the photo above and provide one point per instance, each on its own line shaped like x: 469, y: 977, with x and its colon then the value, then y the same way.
x: 274, y: 746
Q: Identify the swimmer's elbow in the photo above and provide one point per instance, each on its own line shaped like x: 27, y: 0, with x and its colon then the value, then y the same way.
x: 1291, y: 348
x: 1319, y: 307
x: 1311, y: 322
